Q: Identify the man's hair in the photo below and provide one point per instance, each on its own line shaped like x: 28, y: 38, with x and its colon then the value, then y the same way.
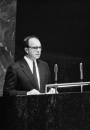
x: 26, y: 40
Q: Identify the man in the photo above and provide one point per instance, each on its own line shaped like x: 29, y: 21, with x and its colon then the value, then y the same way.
x: 20, y: 79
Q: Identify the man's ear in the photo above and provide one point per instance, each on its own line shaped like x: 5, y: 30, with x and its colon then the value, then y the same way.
x: 26, y: 50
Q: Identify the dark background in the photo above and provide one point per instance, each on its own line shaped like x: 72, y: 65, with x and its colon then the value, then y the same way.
x: 63, y: 28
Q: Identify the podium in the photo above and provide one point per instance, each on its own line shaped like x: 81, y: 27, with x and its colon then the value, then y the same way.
x: 65, y: 85
x: 67, y: 111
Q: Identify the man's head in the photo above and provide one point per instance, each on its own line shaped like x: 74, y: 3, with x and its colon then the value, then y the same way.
x: 32, y: 48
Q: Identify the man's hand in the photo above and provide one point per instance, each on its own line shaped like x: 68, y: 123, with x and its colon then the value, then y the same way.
x: 52, y: 91
x: 33, y: 92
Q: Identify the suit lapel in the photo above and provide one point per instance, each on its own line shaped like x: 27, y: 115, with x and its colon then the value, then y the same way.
x: 28, y: 73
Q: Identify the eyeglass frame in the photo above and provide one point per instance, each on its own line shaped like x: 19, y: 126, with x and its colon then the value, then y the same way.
x: 35, y: 47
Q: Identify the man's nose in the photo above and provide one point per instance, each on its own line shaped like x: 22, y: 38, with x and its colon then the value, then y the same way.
x: 38, y: 49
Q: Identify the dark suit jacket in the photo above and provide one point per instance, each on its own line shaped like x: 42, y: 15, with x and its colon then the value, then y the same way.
x: 19, y: 78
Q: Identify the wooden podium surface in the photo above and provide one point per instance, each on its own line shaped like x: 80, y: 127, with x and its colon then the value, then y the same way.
x: 68, y: 111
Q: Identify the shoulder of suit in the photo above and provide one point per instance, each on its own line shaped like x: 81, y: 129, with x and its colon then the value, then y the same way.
x: 17, y: 63
x: 41, y: 61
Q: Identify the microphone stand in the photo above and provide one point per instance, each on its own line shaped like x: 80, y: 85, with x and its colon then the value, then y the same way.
x: 81, y: 75
x: 55, y: 71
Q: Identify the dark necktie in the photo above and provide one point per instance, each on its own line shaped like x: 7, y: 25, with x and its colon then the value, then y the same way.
x: 34, y: 73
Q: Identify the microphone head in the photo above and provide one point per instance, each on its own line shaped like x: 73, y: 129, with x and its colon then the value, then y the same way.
x: 55, y: 71
x: 81, y: 66
x: 55, y: 68
x: 81, y: 71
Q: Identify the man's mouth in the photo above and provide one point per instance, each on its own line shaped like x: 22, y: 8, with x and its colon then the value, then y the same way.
x: 37, y: 54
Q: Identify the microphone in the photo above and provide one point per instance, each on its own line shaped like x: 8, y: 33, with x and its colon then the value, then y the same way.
x: 56, y: 71
x: 81, y: 71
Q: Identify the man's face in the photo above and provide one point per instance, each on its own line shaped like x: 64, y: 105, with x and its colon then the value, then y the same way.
x: 34, y: 49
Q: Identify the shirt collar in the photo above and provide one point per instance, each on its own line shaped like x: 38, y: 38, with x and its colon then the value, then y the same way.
x: 26, y: 58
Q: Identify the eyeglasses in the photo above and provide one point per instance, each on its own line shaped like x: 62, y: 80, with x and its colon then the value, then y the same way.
x: 35, y: 47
